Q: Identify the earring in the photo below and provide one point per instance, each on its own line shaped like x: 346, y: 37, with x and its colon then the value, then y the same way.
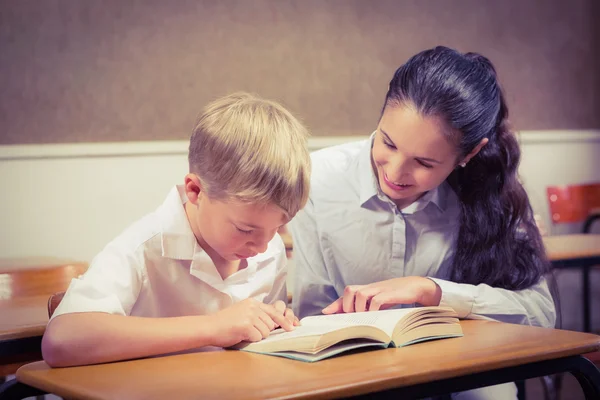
x: 463, y: 164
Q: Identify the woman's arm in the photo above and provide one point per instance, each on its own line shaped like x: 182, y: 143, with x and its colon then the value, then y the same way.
x: 313, y: 290
x: 531, y: 306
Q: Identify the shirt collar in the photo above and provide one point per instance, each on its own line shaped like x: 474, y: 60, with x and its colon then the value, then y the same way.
x: 177, y: 238
x: 434, y: 196
x: 369, y: 187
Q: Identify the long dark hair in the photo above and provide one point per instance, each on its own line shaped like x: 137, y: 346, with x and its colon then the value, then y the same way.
x: 498, y: 241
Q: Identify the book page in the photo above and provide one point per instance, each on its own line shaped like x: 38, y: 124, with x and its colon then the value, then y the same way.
x: 320, y: 324
x: 385, y: 320
x: 301, y: 331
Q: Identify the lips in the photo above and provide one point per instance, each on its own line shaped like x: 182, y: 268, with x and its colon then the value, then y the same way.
x: 246, y: 255
x: 395, y: 186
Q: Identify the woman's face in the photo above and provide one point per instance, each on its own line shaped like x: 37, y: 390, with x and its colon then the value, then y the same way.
x: 411, y: 154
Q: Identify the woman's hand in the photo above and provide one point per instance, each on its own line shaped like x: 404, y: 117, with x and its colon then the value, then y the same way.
x: 385, y: 294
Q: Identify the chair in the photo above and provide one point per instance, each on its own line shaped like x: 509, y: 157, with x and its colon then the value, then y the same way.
x: 53, y: 302
x: 31, y: 278
x: 575, y: 204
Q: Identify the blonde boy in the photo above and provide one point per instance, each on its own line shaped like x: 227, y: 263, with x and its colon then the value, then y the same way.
x: 206, y: 268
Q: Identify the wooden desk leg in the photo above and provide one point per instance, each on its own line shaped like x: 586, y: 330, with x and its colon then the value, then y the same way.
x: 15, y: 390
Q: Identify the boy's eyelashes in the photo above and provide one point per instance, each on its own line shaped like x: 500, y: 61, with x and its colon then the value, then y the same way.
x: 247, y: 232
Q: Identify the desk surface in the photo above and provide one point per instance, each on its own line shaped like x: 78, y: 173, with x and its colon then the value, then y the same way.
x: 23, y: 317
x: 26, y: 263
x: 25, y: 286
x: 567, y: 247
x: 486, y: 346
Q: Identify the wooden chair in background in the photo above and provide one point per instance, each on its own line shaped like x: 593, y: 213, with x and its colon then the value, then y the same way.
x: 575, y: 203
x: 53, y: 302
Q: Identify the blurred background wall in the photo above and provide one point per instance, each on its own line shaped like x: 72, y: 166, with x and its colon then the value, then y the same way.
x: 98, y: 97
x: 113, y: 70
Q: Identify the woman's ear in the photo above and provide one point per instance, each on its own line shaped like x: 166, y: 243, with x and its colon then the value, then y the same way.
x: 193, y: 188
x: 473, y: 152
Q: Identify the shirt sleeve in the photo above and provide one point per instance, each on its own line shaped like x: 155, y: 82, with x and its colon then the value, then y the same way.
x: 111, y: 285
x: 312, y: 290
x: 531, y: 306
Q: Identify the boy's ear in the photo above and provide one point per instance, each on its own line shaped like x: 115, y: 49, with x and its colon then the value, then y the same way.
x: 193, y: 188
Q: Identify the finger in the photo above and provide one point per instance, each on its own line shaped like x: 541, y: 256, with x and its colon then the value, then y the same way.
x: 334, y: 308
x: 278, y: 317
x: 362, y: 297
x: 297, y: 321
x: 253, y: 335
x: 267, y: 321
x: 262, y: 327
x: 289, y: 315
x: 388, y: 299
x: 280, y: 306
x: 348, y: 303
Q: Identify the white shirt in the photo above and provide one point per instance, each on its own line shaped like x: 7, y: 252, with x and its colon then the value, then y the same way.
x: 156, y: 268
x: 350, y: 233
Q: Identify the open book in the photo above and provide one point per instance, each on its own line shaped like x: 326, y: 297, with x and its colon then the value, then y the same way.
x: 323, y: 336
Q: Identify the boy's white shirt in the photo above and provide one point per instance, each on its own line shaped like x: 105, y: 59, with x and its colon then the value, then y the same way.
x: 156, y: 268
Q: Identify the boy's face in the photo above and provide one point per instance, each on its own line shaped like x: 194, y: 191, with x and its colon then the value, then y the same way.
x: 233, y: 230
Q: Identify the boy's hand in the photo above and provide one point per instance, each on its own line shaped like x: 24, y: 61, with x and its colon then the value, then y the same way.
x: 281, y: 307
x: 249, y: 320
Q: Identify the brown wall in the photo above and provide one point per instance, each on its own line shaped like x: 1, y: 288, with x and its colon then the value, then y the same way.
x: 118, y: 70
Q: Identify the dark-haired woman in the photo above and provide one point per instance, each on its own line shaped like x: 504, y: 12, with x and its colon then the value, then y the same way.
x: 428, y: 210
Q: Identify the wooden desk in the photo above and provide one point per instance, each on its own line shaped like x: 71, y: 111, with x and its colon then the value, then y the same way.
x: 23, y: 317
x: 27, y: 263
x: 22, y: 324
x: 573, y: 248
x: 25, y: 286
x: 489, y: 353
x: 576, y: 251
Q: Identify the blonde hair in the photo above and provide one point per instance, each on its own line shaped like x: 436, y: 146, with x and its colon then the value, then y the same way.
x: 253, y: 150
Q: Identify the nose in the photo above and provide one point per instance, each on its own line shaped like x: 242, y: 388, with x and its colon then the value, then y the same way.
x: 260, y: 245
x: 398, y: 166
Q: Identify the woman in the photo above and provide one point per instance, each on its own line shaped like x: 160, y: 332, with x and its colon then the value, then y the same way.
x: 429, y: 210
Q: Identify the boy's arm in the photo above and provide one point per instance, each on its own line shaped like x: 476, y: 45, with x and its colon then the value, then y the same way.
x: 96, y: 337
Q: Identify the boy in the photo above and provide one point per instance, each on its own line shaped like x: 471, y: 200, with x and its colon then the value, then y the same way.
x: 206, y: 268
